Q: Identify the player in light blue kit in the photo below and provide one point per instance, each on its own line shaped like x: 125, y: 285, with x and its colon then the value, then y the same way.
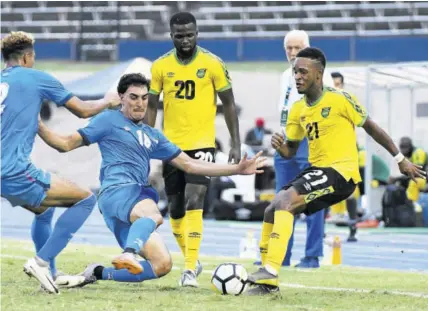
x: 126, y: 200
x: 22, y: 90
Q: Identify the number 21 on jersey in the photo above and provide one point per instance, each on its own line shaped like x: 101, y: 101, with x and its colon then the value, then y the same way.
x: 312, y: 130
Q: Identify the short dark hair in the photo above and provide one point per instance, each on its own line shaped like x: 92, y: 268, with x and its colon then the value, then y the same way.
x: 313, y: 53
x: 132, y: 79
x: 182, y: 18
x: 337, y: 74
x: 15, y: 44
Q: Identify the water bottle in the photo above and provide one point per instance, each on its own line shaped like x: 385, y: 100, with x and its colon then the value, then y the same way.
x: 248, y: 247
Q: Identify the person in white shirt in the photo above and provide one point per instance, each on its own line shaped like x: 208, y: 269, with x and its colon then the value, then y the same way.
x: 287, y: 170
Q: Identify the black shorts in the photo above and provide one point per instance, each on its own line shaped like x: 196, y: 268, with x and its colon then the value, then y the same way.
x: 322, y: 187
x: 176, y: 179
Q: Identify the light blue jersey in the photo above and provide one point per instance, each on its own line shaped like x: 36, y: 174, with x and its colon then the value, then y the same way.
x: 126, y: 148
x: 22, y: 92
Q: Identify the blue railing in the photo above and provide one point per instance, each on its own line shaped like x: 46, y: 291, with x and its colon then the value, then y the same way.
x: 376, y: 49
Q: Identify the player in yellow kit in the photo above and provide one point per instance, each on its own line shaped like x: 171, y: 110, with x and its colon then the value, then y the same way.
x: 190, y: 78
x: 327, y: 117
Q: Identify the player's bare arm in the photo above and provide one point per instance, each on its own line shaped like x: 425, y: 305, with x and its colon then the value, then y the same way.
x: 287, y: 149
x: 381, y: 137
x: 152, y: 110
x: 245, y: 167
x: 90, y: 108
x: 59, y: 142
x: 231, y: 117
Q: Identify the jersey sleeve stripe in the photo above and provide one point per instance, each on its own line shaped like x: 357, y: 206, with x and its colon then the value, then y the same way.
x: 227, y: 87
x: 84, y: 137
x: 173, y: 156
x: 152, y: 91
x: 296, y: 140
x: 65, y: 99
x: 363, y: 120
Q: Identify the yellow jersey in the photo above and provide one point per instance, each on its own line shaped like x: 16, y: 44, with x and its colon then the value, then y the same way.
x: 329, y: 124
x: 189, y: 96
x: 419, y: 157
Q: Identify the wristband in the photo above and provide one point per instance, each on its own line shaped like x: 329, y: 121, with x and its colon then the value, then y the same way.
x: 399, y: 157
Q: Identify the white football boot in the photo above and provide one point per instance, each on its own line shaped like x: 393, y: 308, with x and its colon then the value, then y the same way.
x: 39, y: 269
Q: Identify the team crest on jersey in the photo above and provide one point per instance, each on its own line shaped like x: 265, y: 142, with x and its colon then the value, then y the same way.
x: 325, y: 112
x: 201, y: 73
x: 170, y: 74
x: 126, y: 128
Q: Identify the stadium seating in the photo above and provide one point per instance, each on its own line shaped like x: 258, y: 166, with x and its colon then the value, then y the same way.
x: 99, y: 24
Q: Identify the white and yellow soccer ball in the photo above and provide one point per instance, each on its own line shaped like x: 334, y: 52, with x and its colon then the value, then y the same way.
x: 229, y: 279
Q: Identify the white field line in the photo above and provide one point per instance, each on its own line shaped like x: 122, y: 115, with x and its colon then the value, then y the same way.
x: 300, y: 286
x: 212, y: 259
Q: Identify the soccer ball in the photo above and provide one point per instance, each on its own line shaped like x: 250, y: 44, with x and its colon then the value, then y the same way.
x: 229, y: 279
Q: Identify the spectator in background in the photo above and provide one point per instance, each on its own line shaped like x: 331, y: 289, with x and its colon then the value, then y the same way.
x: 338, y: 80
x: 380, y: 176
x: 255, y: 135
x: 417, y: 156
x: 287, y: 169
x: 337, y: 211
x: 218, y: 184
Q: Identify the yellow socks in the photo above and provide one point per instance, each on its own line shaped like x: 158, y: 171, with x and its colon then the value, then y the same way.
x: 194, y: 238
x: 188, y: 233
x: 264, y: 241
x: 178, y: 227
x: 279, y: 238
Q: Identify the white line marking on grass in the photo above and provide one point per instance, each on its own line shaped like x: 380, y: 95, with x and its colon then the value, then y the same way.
x: 300, y: 286
x: 15, y: 257
x: 355, y: 290
x: 339, y: 289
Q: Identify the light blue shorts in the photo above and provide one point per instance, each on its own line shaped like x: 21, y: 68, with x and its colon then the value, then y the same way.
x: 116, y: 204
x: 27, y: 188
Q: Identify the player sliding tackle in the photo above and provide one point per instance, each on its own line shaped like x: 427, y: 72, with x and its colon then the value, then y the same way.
x: 126, y: 200
x: 327, y: 117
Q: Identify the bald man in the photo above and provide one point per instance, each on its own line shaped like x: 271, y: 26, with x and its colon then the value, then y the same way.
x: 287, y: 170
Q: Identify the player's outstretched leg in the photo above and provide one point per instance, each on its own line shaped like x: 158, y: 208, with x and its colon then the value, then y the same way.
x: 41, y: 229
x: 81, y: 203
x: 280, y: 213
x: 145, y: 218
x: 158, y: 263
